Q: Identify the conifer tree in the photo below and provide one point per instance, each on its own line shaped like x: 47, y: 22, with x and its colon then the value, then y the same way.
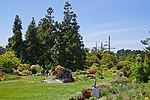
x: 31, y: 44
x: 71, y: 53
x: 15, y: 42
x: 46, y: 31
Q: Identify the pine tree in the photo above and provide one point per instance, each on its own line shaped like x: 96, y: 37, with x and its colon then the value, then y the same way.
x: 15, y: 42
x: 31, y: 44
x: 46, y: 36
x: 71, y: 53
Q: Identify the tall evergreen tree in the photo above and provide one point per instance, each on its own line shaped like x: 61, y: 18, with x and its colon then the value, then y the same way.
x: 71, y: 53
x: 2, y: 50
x: 147, y: 43
x: 15, y: 42
x: 31, y: 44
x: 46, y: 31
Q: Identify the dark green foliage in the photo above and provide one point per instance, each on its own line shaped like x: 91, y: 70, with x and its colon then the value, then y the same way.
x: 31, y: 44
x: 46, y: 38
x: 125, y: 66
x: 2, y: 50
x: 129, y: 55
x: 141, y: 70
x: 91, y: 59
x: 65, y: 75
x: 70, y: 47
x: 109, y: 59
x: 15, y: 42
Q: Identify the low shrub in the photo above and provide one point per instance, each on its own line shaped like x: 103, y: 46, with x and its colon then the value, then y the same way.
x: 23, y: 67
x: 59, y: 67
x: 86, y: 93
x: 80, y: 72
x: 35, y: 69
x: 16, y: 72
x: 114, y: 89
x: 10, y: 77
x: 65, y: 75
x: 55, y: 72
x: 25, y: 72
x: 107, y: 73
x: 104, y: 92
x: 101, y: 86
x: 2, y: 73
x: 7, y: 70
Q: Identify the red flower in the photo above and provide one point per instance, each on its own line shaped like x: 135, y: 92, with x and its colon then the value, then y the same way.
x: 2, y: 73
x: 103, y: 86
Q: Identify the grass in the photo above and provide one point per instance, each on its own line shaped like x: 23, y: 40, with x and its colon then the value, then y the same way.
x: 31, y: 88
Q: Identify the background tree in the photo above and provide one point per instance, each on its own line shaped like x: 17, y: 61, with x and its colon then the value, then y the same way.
x: 2, y: 50
x: 71, y: 52
x: 109, y: 59
x: 147, y: 43
x: 15, y: 42
x: 31, y: 44
x: 91, y: 59
x: 46, y: 37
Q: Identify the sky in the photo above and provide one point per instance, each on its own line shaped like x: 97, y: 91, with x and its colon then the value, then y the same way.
x: 127, y: 22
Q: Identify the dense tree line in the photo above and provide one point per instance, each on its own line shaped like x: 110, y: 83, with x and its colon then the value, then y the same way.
x: 50, y: 42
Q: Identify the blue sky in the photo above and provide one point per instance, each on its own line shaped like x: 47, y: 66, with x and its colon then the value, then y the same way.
x: 126, y: 21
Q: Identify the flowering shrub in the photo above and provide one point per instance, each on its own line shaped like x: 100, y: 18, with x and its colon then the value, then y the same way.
x: 16, y: 72
x: 92, y: 72
x: 2, y: 73
x: 101, y: 86
x: 25, y: 72
x: 86, y: 93
x: 35, y: 69
x: 59, y: 67
x: 65, y: 75
x: 23, y: 66
x: 94, y: 69
x: 55, y: 72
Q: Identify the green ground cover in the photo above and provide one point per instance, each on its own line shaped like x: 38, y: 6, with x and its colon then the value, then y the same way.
x: 31, y: 88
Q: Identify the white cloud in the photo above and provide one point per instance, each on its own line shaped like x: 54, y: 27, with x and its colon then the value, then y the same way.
x: 108, y: 32
x: 126, y: 42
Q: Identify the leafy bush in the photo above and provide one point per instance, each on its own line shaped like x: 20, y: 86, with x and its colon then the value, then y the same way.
x: 93, y: 69
x: 2, y: 73
x: 109, y: 59
x: 101, y: 86
x: 107, y: 73
x: 59, y: 67
x: 86, y: 93
x: 1, y: 78
x: 11, y: 77
x: 23, y: 67
x: 35, y: 69
x: 80, y: 72
x: 55, y: 72
x: 16, y: 72
x: 25, y: 72
x: 125, y: 66
x: 104, y: 92
x: 65, y: 75
x: 7, y: 70
x: 114, y: 89
x: 141, y: 70
x: 91, y: 59
x: 9, y: 60
x: 99, y: 74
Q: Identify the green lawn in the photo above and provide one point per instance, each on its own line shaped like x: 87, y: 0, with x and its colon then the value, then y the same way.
x: 31, y: 88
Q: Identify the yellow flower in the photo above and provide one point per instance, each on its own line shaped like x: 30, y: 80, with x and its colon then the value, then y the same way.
x: 146, y: 98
